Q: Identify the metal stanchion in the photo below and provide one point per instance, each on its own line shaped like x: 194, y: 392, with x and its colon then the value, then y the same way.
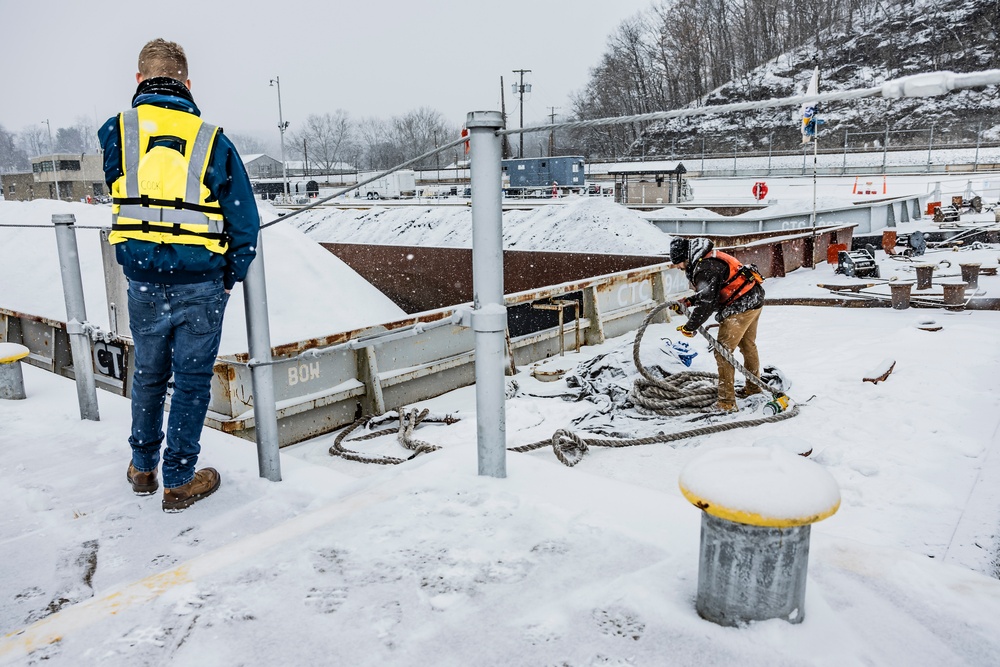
x: 261, y: 377
x: 489, y: 317
x: 76, y: 315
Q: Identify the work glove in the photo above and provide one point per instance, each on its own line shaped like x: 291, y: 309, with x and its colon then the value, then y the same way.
x: 679, y: 306
x: 685, y: 332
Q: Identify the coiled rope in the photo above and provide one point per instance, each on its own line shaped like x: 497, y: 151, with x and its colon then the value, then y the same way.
x: 404, y: 435
x: 678, y: 394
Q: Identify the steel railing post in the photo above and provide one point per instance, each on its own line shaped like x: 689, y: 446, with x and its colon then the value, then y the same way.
x: 261, y: 377
x: 489, y: 317
x: 76, y: 315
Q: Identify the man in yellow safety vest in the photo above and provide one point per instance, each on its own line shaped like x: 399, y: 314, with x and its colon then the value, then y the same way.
x: 184, y: 228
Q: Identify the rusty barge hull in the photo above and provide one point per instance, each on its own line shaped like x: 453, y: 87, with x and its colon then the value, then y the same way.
x: 322, y: 384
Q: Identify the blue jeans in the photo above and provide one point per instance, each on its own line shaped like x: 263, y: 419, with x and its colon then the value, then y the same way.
x: 177, y: 330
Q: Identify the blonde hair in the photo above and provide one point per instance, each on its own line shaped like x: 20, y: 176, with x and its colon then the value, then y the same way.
x: 162, y: 58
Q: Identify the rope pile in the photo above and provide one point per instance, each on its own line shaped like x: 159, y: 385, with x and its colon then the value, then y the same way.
x: 404, y: 435
x: 678, y: 394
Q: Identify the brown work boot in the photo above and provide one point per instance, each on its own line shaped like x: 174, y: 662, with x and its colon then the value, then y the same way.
x: 722, y: 406
x: 204, y: 484
x: 143, y: 483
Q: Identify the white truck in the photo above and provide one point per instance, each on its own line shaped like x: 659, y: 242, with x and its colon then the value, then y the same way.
x: 398, y: 184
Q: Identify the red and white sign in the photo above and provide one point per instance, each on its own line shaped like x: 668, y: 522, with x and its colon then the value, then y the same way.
x: 759, y: 190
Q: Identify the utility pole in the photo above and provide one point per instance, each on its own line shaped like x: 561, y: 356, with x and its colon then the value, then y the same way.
x: 55, y: 168
x: 505, y: 149
x: 305, y: 157
x: 552, y: 133
x: 520, y: 90
x: 282, y: 126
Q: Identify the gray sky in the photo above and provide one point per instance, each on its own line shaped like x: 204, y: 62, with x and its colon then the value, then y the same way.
x: 64, y: 59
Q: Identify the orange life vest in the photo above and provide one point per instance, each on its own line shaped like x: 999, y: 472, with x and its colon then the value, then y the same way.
x: 740, y: 281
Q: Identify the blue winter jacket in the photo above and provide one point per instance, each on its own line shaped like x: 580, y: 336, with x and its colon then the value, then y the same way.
x: 226, y: 179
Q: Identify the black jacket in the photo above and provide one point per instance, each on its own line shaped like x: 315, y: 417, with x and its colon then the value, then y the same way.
x: 707, y: 275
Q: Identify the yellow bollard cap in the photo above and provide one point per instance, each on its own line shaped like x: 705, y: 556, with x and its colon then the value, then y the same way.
x: 11, y: 352
x: 758, y: 486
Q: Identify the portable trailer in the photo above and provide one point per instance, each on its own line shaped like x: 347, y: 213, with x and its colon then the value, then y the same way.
x: 541, y: 175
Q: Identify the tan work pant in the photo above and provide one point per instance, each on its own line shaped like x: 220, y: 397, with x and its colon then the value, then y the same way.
x: 738, y: 330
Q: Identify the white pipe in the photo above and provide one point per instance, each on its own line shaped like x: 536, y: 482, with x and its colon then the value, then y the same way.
x: 76, y: 315
x: 489, y: 317
x: 261, y: 377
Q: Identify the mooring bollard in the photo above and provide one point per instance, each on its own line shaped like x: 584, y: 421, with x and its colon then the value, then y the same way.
x: 970, y: 274
x: 900, y: 295
x: 758, y: 505
x: 954, y: 295
x: 11, y: 378
x: 924, y: 275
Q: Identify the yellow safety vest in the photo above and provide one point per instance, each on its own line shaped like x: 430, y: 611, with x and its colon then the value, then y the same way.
x: 161, y: 197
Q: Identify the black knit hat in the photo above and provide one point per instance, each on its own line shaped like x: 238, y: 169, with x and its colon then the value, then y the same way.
x: 678, y: 250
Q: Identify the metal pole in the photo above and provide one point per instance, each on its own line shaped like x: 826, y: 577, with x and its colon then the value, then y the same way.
x: 520, y: 91
x: 489, y: 317
x: 846, y: 132
x: 282, y: 126
x: 930, y: 145
x: 885, y: 147
x: 261, y: 377
x: 770, y: 145
x: 552, y: 133
x: 76, y: 315
x: 815, y: 139
x: 979, y: 134
x: 55, y: 167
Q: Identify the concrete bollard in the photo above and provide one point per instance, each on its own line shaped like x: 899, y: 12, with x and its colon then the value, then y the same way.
x: 758, y: 504
x: 924, y: 275
x: 11, y: 377
x: 900, y: 295
x: 970, y: 274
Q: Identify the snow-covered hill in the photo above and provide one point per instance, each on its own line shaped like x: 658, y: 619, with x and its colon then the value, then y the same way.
x: 899, y: 38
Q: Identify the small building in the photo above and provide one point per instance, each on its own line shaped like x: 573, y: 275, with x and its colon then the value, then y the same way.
x: 19, y: 186
x: 261, y: 165
x: 74, y: 176
x: 650, y: 183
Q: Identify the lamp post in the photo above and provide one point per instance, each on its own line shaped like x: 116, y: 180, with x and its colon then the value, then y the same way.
x: 55, y: 172
x: 282, y: 126
x: 519, y: 90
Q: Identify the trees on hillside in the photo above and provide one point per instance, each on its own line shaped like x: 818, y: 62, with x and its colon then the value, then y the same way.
x: 680, y: 50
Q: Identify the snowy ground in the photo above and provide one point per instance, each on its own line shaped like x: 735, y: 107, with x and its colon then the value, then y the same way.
x: 426, y: 563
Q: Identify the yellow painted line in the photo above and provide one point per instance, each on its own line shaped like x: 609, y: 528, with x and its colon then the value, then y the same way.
x: 754, y: 519
x: 63, y: 623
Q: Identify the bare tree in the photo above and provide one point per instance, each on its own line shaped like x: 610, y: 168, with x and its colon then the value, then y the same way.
x: 33, y: 140
x: 325, y: 140
x: 12, y: 158
x: 247, y: 144
x: 378, y: 145
x: 87, y: 127
x: 69, y: 140
x: 420, y: 131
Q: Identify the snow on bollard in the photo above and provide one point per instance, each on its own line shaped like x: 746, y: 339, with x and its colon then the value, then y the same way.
x: 757, y: 505
x: 11, y: 378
